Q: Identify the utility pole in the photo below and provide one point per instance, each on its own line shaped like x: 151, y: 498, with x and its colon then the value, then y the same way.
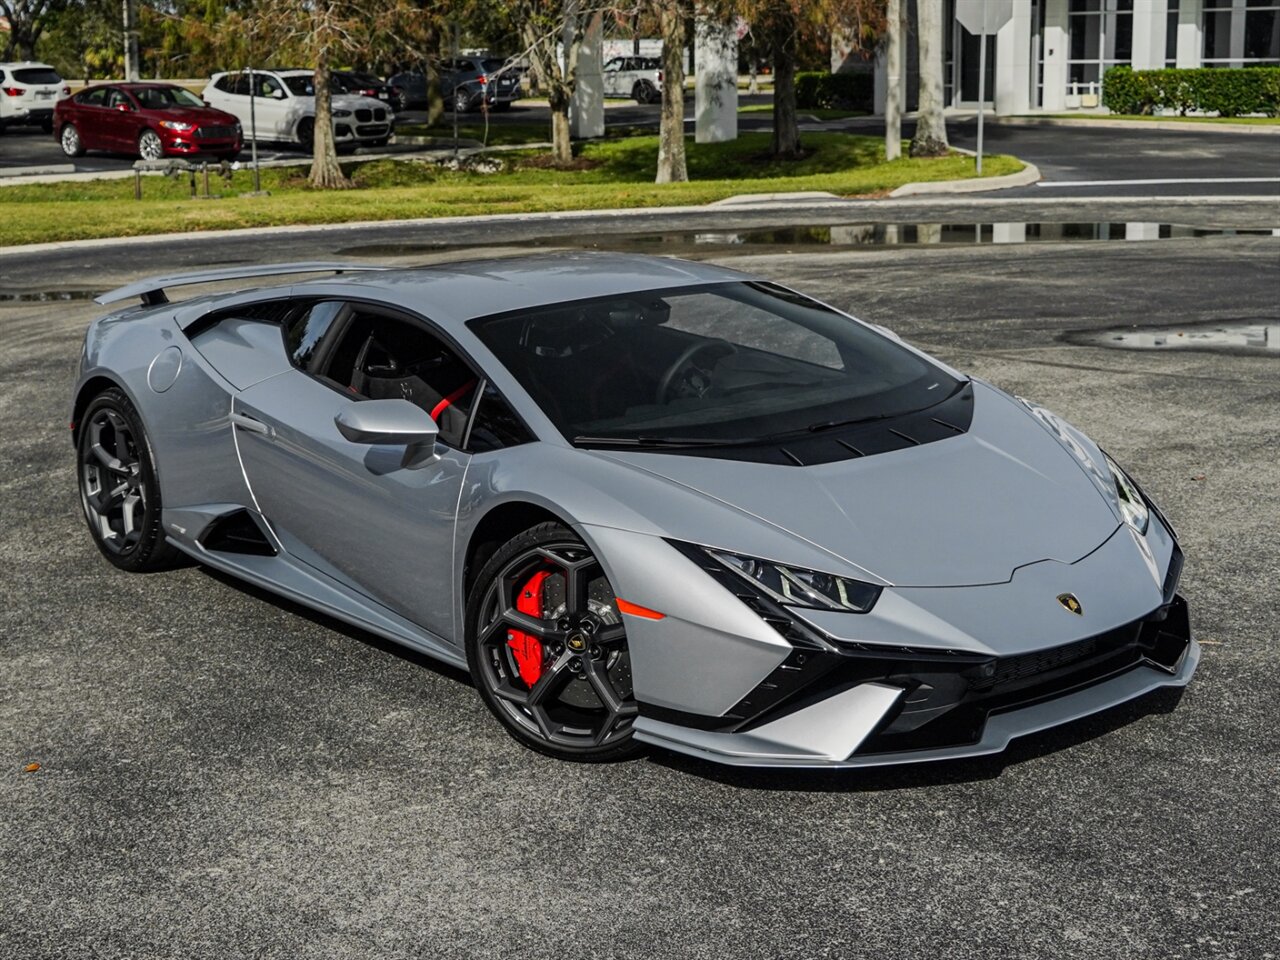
x: 131, y: 41
x: 893, y: 90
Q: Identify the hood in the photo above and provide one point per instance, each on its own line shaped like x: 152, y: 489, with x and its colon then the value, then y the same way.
x: 348, y: 101
x: 962, y: 511
x: 201, y: 116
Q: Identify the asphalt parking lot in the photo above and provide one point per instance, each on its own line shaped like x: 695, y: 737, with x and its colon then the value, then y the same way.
x: 223, y: 774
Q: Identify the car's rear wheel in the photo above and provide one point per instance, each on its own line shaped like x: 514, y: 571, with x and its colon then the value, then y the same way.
x: 461, y: 101
x: 548, y: 649
x: 72, y: 146
x: 150, y: 146
x: 119, y: 490
x: 645, y: 92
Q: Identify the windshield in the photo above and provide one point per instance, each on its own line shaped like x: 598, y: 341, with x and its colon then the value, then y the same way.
x: 715, y: 364
x: 164, y: 98
x: 300, y: 86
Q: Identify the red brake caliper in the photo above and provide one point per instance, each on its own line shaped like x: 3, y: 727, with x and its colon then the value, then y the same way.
x: 527, y: 648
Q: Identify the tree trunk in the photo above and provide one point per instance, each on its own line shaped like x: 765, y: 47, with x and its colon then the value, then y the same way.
x: 431, y: 77
x: 671, y: 158
x: 786, y: 128
x: 326, y: 174
x: 558, y: 87
x: 931, y: 126
x: 893, y: 78
x: 561, y: 144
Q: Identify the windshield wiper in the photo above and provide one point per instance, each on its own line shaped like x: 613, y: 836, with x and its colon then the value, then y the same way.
x: 832, y: 424
x: 657, y: 442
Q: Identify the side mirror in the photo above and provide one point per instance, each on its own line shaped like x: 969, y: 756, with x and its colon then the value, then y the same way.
x: 391, y: 422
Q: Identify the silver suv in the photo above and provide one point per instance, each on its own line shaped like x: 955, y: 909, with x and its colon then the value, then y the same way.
x: 639, y: 78
x: 28, y: 92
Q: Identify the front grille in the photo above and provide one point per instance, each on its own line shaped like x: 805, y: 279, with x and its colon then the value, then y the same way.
x: 215, y: 133
x: 380, y: 115
x: 371, y: 130
x: 364, y: 116
x: 1011, y: 672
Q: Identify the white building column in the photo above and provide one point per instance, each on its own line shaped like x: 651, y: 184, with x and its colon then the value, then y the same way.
x: 1013, y: 62
x: 1057, y: 50
x: 1189, y: 41
x: 586, y: 111
x: 715, y: 94
x: 1150, y: 20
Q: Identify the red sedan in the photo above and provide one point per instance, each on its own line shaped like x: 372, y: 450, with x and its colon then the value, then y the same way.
x: 152, y: 120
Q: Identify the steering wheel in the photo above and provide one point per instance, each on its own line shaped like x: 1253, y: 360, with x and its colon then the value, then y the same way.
x: 672, y: 377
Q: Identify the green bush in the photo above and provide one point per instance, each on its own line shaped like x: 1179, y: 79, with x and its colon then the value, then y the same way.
x: 839, y: 91
x: 1226, y: 92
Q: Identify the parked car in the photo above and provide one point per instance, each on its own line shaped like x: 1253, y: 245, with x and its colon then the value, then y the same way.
x: 642, y: 500
x: 28, y: 93
x: 284, y: 104
x: 639, y: 78
x: 152, y: 120
x: 362, y: 85
x: 465, y: 83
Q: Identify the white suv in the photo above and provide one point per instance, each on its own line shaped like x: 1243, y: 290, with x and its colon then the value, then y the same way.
x: 28, y: 92
x: 285, y: 108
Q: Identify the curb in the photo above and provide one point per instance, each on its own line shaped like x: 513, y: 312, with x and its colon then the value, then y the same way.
x: 864, y: 207
x: 1170, y: 125
x: 48, y: 169
x: 1028, y: 175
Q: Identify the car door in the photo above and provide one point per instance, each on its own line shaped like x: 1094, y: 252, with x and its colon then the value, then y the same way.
x: 90, y: 106
x: 610, y: 75
x: 352, y: 510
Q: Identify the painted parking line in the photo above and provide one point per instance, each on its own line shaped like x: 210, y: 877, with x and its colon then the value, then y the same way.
x: 1125, y: 183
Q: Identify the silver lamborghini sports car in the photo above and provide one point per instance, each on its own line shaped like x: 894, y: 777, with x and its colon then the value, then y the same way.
x: 642, y: 500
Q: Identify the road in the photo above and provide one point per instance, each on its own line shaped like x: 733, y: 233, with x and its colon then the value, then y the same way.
x: 1074, y: 161
x: 227, y: 775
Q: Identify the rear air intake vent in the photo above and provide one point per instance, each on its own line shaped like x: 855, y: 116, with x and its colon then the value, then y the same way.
x: 237, y: 532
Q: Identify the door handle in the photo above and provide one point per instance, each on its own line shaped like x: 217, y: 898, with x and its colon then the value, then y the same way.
x: 252, y: 425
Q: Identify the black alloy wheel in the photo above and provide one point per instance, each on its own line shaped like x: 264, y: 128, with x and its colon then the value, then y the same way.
x: 119, y: 491
x: 645, y: 92
x: 461, y: 101
x: 548, y: 649
x: 306, y: 133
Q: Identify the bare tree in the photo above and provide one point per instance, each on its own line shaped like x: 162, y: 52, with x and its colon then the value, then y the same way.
x: 27, y: 21
x: 931, y: 125
x: 672, y: 16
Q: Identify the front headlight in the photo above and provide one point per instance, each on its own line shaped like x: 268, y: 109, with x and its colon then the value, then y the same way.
x: 1133, y: 505
x: 341, y: 113
x: 177, y: 125
x: 799, y: 587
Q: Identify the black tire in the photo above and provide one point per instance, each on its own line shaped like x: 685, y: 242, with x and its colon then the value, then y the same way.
x: 577, y: 666
x: 72, y: 145
x: 119, y: 489
x: 306, y: 133
x: 461, y: 101
x: 645, y: 92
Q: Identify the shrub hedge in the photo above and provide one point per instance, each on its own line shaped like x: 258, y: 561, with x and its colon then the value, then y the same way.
x: 1227, y: 92
x: 839, y: 91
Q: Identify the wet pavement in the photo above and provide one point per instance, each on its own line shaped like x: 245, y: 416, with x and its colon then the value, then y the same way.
x: 223, y: 774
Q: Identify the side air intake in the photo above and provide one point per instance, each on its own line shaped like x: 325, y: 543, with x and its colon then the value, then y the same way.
x: 237, y: 532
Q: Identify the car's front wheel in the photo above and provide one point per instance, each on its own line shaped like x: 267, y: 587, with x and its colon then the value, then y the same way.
x: 306, y: 133
x: 548, y: 649
x: 72, y: 146
x: 149, y: 145
x: 119, y: 490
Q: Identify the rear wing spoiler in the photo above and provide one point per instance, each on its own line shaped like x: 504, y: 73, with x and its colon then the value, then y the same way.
x: 152, y: 289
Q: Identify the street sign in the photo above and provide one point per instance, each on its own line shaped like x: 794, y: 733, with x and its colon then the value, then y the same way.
x: 983, y: 16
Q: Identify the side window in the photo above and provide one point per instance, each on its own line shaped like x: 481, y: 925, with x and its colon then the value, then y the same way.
x: 1, y: 76
x: 495, y: 424
x: 304, y: 331
x: 93, y: 98
x: 387, y: 358
x: 614, y: 64
x: 115, y: 98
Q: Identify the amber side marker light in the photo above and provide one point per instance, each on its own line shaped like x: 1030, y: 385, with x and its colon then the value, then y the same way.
x: 638, y: 611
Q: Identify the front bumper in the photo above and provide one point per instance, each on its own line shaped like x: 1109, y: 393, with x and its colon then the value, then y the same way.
x: 897, y: 712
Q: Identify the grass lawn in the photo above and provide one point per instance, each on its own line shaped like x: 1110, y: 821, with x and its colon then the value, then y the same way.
x: 616, y: 173
x: 1262, y: 121
x: 822, y: 113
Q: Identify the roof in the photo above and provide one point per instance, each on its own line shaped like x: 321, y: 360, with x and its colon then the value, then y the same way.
x: 478, y: 288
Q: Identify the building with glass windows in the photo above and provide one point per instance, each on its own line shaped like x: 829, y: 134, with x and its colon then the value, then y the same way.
x: 1052, y: 55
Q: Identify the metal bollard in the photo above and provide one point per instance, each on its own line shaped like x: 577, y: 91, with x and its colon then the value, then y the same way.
x: 204, y: 167
x: 137, y: 184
